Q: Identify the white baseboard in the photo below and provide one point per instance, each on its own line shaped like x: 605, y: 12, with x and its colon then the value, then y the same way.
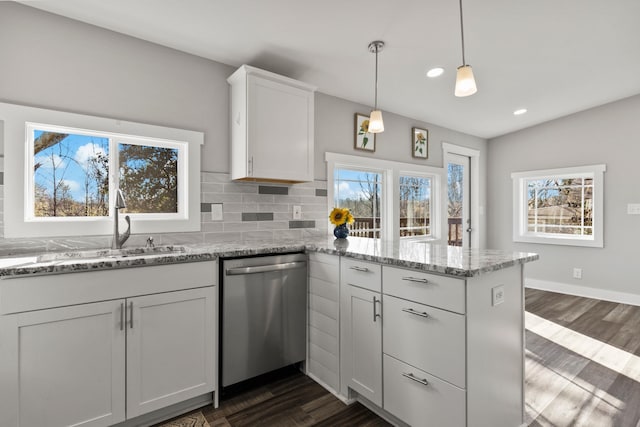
x: 583, y: 291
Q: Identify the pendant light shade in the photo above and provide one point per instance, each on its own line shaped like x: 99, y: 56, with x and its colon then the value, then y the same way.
x: 376, y: 125
x: 465, y: 82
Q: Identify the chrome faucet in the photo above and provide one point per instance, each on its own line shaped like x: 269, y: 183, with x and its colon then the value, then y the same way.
x: 118, y: 240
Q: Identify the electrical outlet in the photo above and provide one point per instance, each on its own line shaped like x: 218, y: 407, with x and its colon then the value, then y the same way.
x: 577, y: 273
x: 497, y: 295
x: 297, y: 212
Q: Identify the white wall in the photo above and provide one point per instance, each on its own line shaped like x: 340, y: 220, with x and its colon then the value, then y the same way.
x: 54, y: 62
x: 609, y: 134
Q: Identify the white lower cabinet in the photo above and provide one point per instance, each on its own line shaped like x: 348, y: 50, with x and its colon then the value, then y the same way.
x: 425, y: 337
x: 420, y: 399
x: 71, y: 366
x: 363, y: 338
x: 323, y: 357
x: 432, y: 350
x: 169, y: 349
x: 101, y: 363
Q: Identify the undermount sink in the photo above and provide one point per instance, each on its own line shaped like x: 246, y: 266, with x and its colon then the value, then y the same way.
x: 110, y: 253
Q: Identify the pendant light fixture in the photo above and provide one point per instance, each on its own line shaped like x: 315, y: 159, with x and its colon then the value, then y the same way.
x: 375, y: 118
x: 465, y: 82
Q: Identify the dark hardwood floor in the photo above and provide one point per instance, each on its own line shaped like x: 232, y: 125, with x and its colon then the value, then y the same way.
x: 582, y: 361
x: 294, y: 400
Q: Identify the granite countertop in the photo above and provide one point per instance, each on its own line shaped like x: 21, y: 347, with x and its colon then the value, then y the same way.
x: 413, y: 254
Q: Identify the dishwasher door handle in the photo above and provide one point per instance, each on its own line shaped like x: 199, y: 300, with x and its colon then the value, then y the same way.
x: 234, y: 271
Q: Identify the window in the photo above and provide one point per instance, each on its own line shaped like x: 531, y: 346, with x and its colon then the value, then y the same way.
x: 389, y: 200
x: 361, y: 192
x: 415, y: 206
x: 63, y: 181
x: 71, y: 169
x: 559, y: 206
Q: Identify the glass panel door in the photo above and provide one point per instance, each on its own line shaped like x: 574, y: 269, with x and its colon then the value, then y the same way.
x: 458, y: 206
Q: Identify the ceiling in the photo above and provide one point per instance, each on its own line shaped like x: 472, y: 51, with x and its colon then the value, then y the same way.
x: 552, y: 57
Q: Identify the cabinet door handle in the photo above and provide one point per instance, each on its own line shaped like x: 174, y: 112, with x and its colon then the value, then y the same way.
x: 415, y: 279
x: 122, y: 316
x: 412, y: 377
x: 375, y: 311
x: 131, y: 315
x: 417, y: 313
x: 251, y: 166
x: 356, y: 268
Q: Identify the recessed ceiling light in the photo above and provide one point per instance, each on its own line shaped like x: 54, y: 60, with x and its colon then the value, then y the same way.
x: 435, y: 72
x: 520, y: 112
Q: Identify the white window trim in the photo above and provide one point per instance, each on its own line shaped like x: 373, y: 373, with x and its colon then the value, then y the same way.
x: 390, y: 209
x: 15, y: 118
x: 520, y: 233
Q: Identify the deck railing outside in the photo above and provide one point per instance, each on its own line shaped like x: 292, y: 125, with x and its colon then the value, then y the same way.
x: 364, y: 227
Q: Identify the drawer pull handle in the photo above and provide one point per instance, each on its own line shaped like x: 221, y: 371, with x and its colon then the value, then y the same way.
x: 356, y: 268
x: 131, y: 315
x: 122, y: 316
x: 412, y: 377
x: 415, y: 279
x: 417, y: 313
x: 375, y: 312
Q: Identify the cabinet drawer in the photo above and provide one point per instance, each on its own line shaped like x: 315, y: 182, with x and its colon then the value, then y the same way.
x: 425, y: 337
x: 420, y: 399
x: 362, y: 274
x: 431, y: 289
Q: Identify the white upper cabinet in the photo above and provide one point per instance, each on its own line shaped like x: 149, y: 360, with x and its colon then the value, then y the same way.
x: 271, y: 127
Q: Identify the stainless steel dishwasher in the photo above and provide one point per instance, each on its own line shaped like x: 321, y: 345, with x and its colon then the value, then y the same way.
x: 264, y: 305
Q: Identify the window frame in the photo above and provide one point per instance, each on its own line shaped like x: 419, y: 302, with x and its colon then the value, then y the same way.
x: 18, y: 120
x: 520, y: 206
x: 390, y: 200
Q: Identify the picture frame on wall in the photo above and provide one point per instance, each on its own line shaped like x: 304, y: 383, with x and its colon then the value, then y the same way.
x: 363, y: 139
x: 420, y: 143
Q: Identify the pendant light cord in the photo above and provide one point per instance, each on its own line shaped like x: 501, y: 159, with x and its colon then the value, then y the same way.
x: 375, y: 107
x: 461, y: 33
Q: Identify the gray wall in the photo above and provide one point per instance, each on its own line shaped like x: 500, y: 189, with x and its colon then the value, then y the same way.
x: 608, y: 134
x: 58, y: 63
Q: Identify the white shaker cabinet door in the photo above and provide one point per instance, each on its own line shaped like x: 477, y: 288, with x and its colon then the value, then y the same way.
x: 70, y: 366
x: 280, y: 130
x: 170, y: 348
x: 363, y: 342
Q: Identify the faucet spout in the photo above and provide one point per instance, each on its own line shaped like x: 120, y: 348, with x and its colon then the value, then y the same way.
x: 118, y: 240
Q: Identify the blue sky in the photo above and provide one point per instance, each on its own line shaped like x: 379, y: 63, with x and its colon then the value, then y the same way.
x: 69, y: 157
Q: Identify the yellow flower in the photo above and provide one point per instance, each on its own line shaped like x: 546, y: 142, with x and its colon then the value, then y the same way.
x: 349, y: 217
x: 338, y: 216
x: 364, y: 127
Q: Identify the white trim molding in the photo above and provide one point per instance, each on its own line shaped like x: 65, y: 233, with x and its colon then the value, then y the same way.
x: 391, y: 172
x: 520, y: 211
x: 474, y: 174
x: 15, y: 119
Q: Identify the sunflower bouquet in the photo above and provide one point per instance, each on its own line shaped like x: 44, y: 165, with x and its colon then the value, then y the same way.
x: 341, y: 216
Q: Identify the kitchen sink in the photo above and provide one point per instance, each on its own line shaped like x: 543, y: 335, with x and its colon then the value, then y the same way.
x: 110, y: 253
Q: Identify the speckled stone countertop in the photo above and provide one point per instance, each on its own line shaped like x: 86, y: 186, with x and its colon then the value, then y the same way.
x: 424, y: 256
x: 417, y: 255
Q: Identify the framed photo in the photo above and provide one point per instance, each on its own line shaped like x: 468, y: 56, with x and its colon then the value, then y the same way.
x: 364, y: 140
x: 420, y: 143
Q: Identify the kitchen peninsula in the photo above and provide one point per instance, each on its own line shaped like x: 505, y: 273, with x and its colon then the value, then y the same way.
x: 413, y: 330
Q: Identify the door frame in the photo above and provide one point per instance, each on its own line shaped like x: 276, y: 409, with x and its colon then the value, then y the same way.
x: 474, y: 176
